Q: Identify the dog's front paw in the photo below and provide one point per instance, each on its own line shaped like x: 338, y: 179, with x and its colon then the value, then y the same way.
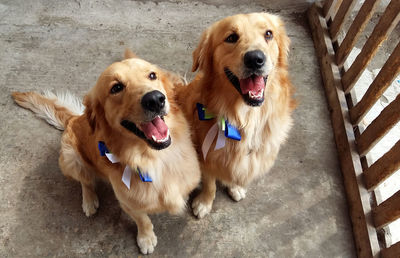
x: 147, y: 242
x: 201, y: 208
x: 90, y: 206
x: 237, y: 193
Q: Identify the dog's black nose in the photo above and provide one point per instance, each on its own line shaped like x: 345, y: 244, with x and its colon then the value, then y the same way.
x: 254, y: 59
x: 153, y: 101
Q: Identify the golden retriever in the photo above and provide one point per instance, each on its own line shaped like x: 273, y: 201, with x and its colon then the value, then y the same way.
x: 242, y: 79
x: 131, y: 117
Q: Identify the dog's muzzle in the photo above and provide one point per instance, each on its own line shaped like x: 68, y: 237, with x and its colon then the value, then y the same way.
x: 251, y: 88
x: 155, y: 131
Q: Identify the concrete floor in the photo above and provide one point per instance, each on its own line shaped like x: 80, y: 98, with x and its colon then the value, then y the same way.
x: 297, y: 210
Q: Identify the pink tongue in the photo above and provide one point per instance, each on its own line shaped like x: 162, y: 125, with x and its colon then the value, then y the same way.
x: 255, y: 84
x: 156, y: 128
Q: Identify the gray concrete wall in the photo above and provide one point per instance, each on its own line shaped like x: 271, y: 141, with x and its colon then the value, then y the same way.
x: 272, y: 5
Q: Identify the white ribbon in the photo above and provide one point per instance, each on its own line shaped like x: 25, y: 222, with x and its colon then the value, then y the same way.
x: 220, y: 140
x: 210, y: 136
x: 126, y: 176
x: 112, y: 158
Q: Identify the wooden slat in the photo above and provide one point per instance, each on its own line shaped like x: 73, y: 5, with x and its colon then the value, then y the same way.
x: 330, y: 8
x: 387, y: 74
x: 383, y: 167
x: 327, y: 7
x: 355, y: 30
x: 387, y: 212
x: 393, y: 251
x: 379, y: 127
x: 341, y: 16
x: 365, y: 236
x: 386, y: 24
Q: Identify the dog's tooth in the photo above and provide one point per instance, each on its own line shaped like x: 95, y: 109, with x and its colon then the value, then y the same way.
x: 154, y: 138
x: 166, y: 137
x: 256, y: 95
x: 162, y: 140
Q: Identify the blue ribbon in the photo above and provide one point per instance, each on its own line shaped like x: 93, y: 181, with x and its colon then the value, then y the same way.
x: 231, y: 132
x: 144, y: 176
x: 203, y: 115
x: 102, y: 148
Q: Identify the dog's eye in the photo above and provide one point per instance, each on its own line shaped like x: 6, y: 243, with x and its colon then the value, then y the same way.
x: 232, y: 38
x: 268, y: 35
x: 117, y: 88
x: 152, y: 76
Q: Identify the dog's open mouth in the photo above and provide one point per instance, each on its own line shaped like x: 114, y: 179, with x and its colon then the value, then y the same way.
x: 155, y: 132
x: 251, y: 88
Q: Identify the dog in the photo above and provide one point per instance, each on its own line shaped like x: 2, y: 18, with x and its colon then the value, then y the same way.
x: 239, y: 103
x: 130, y: 132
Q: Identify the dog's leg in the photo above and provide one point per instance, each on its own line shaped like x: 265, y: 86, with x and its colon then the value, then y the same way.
x: 237, y: 193
x: 146, y: 239
x: 90, y: 202
x: 202, y: 204
x: 71, y: 166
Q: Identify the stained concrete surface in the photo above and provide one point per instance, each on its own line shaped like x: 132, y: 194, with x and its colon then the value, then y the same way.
x: 297, y: 210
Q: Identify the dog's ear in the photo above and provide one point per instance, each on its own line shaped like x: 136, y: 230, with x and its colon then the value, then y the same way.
x: 90, y: 110
x: 202, y: 55
x: 129, y: 54
x: 284, y: 45
x: 174, y: 78
x: 283, y: 42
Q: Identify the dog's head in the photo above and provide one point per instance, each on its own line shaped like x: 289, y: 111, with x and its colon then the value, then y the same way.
x: 131, y: 98
x: 244, y: 49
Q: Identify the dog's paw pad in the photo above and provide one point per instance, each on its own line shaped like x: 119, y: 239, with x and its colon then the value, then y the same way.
x: 147, y: 243
x: 237, y: 193
x: 90, y: 207
x: 201, y: 209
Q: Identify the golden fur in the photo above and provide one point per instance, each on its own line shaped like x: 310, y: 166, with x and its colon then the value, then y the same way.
x: 175, y: 170
x: 263, y: 129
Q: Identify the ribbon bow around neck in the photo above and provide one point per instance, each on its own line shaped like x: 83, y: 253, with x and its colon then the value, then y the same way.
x: 222, y: 127
x: 126, y: 176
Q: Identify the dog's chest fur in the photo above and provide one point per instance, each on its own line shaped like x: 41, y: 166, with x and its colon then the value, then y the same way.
x: 174, y: 172
x: 262, y: 131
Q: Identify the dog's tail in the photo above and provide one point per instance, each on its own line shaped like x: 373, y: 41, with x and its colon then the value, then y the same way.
x: 56, y: 109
